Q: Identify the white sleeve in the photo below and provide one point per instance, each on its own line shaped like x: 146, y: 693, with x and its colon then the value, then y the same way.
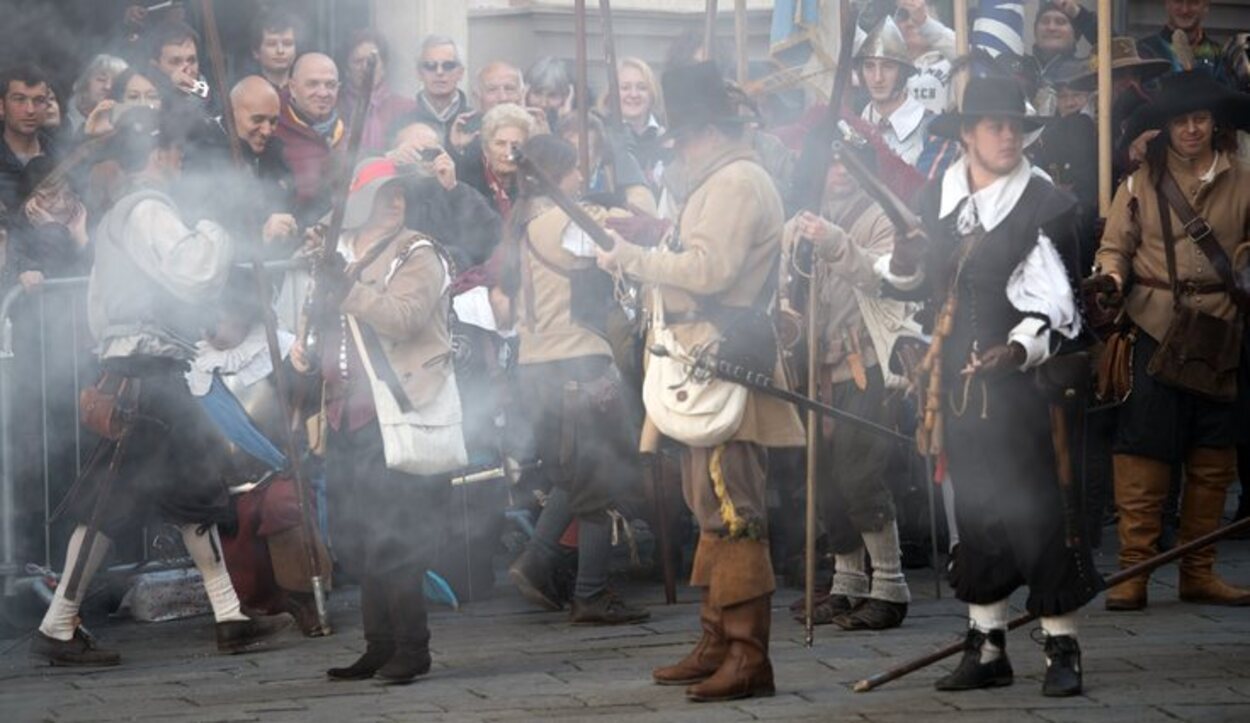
x: 191, y: 264
x: 577, y: 242
x: 939, y: 37
x: 902, y: 283
x: 1040, y: 286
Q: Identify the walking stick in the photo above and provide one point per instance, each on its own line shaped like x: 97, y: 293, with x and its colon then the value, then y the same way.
x: 813, y: 453
x: 1142, y: 568
x: 282, y: 384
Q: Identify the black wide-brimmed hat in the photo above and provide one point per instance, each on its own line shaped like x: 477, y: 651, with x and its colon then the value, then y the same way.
x: 696, y: 96
x: 990, y: 97
x: 1191, y: 91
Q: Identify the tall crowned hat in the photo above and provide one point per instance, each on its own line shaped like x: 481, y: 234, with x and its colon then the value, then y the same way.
x: 371, y: 175
x: 696, y: 96
x: 887, y: 43
x: 988, y: 97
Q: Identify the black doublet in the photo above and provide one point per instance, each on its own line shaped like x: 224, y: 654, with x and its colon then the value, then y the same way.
x: 1008, y: 505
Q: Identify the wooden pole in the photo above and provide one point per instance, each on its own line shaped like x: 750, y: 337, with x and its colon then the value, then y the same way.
x: 960, y: 9
x: 1104, y: 107
x: 709, y: 29
x: 814, y: 422
x: 582, y: 92
x: 1142, y: 568
x: 740, y: 38
x: 308, y: 531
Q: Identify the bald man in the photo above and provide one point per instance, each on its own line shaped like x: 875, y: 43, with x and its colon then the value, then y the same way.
x: 311, y: 131
x: 255, y: 200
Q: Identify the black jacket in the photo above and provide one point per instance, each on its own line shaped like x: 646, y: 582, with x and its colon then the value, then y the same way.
x: 461, y: 219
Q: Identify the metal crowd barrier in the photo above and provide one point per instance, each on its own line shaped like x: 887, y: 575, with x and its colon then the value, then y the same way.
x: 74, y: 290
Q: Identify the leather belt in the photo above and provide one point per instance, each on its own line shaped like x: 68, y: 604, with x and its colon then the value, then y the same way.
x: 1188, y: 288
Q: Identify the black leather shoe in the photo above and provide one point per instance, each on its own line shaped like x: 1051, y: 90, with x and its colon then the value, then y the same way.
x: 79, y: 650
x: 873, y: 615
x: 535, y: 581
x: 1063, y: 667
x: 405, y: 665
x: 824, y: 611
x: 240, y: 636
x: 971, y: 673
x: 375, y: 656
x: 606, y: 609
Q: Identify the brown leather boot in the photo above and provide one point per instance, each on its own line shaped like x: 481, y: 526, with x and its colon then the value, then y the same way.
x: 1141, y: 485
x: 707, y: 656
x: 746, y: 671
x: 1208, y: 472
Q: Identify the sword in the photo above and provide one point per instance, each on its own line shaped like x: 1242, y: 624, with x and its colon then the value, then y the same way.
x: 763, y: 384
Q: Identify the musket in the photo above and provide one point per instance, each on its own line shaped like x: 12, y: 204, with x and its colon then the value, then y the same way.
x: 1142, y: 568
x: 331, y: 240
x: 571, y: 208
x: 904, y: 220
x: 316, y: 578
x: 763, y: 383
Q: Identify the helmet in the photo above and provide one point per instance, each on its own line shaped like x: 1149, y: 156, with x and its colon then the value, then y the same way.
x: 886, y: 42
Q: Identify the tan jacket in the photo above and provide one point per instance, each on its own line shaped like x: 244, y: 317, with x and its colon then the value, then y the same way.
x: 545, y: 324
x: 409, y: 314
x: 847, y: 265
x: 1132, y: 244
x: 730, y: 238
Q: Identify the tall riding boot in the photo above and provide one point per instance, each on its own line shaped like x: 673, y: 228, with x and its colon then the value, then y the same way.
x: 708, y: 653
x: 1209, y: 472
x: 746, y: 671
x: 406, y: 613
x: 379, y: 638
x: 1141, y: 484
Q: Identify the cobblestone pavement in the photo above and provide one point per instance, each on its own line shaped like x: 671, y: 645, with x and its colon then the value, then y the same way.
x: 499, y: 660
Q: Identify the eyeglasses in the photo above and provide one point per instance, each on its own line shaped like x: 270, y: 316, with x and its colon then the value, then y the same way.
x: 433, y: 66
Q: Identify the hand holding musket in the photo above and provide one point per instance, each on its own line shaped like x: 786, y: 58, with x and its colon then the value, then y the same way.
x: 316, y: 305
x: 601, y: 236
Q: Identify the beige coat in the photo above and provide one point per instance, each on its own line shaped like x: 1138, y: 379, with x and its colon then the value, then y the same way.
x: 730, y: 238
x: 1132, y: 244
x: 409, y: 314
x: 549, y: 332
x: 846, y: 264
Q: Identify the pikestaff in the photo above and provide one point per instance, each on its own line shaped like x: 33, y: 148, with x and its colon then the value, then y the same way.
x: 582, y: 91
x: 740, y: 38
x: 709, y: 28
x: 1104, y: 106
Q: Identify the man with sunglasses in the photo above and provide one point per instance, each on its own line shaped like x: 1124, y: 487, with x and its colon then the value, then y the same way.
x: 440, y: 102
x: 24, y: 98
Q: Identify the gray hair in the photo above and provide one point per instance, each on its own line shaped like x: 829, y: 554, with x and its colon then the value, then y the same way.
x: 506, y: 115
x: 550, y: 74
x: 434, y: 40
x: 110, y: 64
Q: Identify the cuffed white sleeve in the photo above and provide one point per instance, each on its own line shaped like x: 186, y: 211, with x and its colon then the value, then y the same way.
x: 902, y: 283
x: 1039, y: 286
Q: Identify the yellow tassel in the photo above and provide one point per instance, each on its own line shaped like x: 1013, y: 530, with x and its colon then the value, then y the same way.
x: 728, y: 513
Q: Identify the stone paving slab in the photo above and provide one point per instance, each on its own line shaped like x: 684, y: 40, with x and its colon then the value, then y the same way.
x: 502, y: 661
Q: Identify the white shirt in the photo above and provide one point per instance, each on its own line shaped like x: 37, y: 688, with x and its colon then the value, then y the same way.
x: 1038, y: 285
x: 904, y: 131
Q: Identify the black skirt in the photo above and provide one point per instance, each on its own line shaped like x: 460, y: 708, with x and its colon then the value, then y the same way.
x: 1008, y: 505
x: 174, y: 464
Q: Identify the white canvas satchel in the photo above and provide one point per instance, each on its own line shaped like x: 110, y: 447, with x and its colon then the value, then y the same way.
x: 695, y: 409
